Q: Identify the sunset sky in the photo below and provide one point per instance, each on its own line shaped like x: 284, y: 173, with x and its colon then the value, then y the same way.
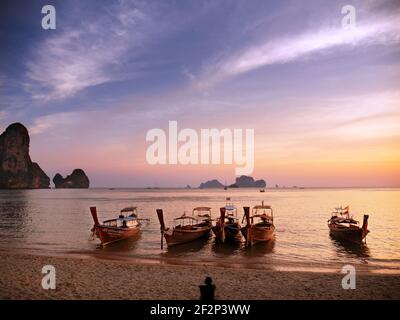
x: 324, y: 102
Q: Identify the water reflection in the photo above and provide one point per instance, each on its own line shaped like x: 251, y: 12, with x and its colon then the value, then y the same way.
x: 122, y: 246
x: 14, y: 214
x: 187, y: 248
x: 350, y: 248
x: 260, y: 249
x: 224, y: 249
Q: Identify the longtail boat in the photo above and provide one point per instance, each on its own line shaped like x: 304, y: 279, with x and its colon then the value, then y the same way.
x: 344, y: 227
x: 259, y: 225
x: 127, y: 225
x: 227, y: 226
x: 186, y: 228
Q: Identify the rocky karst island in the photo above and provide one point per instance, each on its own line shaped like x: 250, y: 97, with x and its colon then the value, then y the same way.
x: 248, y: 182
x: 241, y: 182
x: 17, y: 171
x: 77, y: 179
x: 211, y: 184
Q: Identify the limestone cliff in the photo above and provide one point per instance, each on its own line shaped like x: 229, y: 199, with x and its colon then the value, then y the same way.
x: 77, y: 179
x: 211, y: 184
x: 248, y: 182
x: 17, y: 171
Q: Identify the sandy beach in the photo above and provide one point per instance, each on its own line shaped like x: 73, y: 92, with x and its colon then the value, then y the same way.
x: 90, y: 278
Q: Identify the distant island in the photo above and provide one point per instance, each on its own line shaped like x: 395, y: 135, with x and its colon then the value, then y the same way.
x: 211, y: 184
x: 77, y: 179
x: 241, y: 182
x: 248, y: 182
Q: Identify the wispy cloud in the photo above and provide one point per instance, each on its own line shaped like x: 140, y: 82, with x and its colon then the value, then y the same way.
x: 2, y: 79
x: 3, y: 114
x: 44, y: 123
x: 88, y: 54
x: 392, y: 116
x: 288, y: 49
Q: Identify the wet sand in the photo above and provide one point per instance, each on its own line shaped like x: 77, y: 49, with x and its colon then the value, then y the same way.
x: 89, y: 278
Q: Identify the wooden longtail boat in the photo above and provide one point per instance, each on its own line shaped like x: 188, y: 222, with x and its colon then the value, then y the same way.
x: 344, y: 227
x: 125, y: 226
x: 259, y: 225
x: 190, y: 228
x: 227, y: 226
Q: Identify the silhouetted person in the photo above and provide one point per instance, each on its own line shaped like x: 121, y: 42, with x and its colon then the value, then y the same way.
x: 207, y: 290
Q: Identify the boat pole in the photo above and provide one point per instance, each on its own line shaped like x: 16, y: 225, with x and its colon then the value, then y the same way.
x: 365, y: 227
x: 222, y: 223
x: 93, y: 211
x: 248, y: 225
x: 160, y: 215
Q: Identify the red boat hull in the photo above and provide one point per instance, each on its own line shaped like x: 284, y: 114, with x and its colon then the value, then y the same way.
x: 232, y: 234
x: 258, y: 234
x: 180, y: 236
x: 355, y: 235
x: 350, y: 233
x: 109, y: 235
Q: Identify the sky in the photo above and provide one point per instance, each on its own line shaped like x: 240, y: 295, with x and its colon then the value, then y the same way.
x: 323, y: 100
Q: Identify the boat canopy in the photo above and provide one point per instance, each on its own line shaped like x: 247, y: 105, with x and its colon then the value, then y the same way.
x: 202, y: 209
x: 185, y: 217
x: 264, y: 216
x: 344, y: 212
x: 230, y: 207
x: 344, y: 220
x: 202, y: 212
x: 262, y: 207
x: 128, y: 209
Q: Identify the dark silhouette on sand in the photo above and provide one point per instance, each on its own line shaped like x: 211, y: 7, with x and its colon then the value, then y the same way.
x: 207, y: 290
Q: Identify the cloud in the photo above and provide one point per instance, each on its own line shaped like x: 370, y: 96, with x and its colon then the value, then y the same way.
x: 391, y: 116
x: 287, y: 49
x: 44, y: 123
x: 3, y: 114
x: 191, y: 76
x: 88, y: 54
x: 2, y: 79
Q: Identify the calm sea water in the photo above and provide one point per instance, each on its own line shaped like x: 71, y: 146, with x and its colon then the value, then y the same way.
x: 59, y: 222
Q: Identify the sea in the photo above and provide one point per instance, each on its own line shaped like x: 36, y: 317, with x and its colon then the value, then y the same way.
x: 55, y: 222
